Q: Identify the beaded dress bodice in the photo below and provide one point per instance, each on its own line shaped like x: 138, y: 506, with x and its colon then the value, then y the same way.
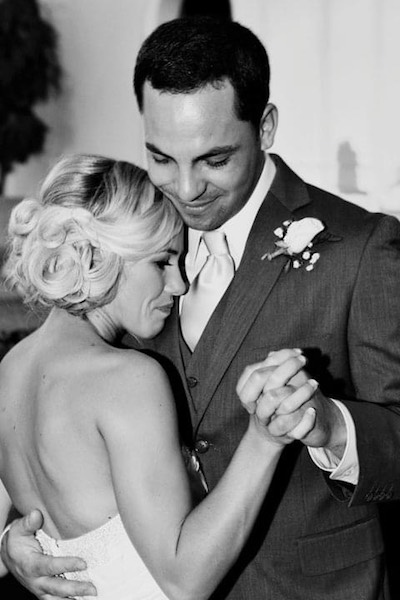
x: 114, y: 565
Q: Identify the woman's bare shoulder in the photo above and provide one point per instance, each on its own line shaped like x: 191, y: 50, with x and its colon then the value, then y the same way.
x: 133, y: 382
x: 119, y: 368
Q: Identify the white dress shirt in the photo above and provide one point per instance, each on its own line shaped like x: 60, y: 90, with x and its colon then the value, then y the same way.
x: 237, y: 230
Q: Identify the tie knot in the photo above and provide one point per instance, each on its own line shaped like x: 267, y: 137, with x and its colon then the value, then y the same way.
x: 216, y: 242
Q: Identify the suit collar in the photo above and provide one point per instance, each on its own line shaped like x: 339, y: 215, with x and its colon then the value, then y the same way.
x: 244, y: 298
x: 250, y: 288
x: 240, y: 305
x: 287, y: 187
x: 236, y: 229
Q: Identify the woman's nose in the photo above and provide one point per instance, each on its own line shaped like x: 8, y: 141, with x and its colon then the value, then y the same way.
x: 176, y: 286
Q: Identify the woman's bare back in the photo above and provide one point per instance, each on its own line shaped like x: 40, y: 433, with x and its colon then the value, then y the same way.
x: 52, y: 454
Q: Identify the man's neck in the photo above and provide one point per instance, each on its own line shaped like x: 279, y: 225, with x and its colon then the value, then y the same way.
x: 237, y: 228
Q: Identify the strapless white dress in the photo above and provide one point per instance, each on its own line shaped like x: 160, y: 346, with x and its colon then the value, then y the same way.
x: 114, y: 566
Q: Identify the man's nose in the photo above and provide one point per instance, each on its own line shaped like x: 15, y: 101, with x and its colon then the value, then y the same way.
x: 189, y: 186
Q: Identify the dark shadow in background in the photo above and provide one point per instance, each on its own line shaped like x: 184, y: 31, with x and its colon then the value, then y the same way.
x: 390, y: 520
x: 216, y: 8
x: 347, y: 169
x: 11, y: 590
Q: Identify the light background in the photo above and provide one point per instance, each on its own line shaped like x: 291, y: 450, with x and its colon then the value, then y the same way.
x: 335, y: 80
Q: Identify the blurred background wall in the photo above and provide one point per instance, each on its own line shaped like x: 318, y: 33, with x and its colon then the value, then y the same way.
x: 334, y: 79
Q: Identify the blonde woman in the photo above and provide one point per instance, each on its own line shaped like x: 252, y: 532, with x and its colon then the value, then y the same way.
x: 88, y: 430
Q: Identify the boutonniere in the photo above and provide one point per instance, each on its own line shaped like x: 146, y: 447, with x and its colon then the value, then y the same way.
x: 297, y: 240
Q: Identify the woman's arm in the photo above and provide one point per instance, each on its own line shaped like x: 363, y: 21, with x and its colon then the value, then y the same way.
x: 5, y: 507
x: 36, y: 571
x: 187, y: 549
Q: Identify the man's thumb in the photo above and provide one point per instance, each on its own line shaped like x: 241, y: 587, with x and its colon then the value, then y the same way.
x: 31, y: 522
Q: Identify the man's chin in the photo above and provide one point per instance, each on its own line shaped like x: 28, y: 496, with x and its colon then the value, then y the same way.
x: 202, y: 216
x: 202, y: 220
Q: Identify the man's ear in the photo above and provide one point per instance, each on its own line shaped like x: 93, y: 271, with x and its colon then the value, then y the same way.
x: 268, y: 126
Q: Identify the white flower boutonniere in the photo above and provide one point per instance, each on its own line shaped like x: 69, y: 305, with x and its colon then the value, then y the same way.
x: 297, y: 239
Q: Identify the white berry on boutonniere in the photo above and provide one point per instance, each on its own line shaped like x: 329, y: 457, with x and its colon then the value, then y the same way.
x: 297, y: 240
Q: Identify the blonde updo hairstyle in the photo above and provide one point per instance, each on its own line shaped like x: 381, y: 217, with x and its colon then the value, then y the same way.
x: 69, y: 247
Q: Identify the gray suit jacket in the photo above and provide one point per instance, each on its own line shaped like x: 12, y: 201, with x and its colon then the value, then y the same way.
x: 314, y: 539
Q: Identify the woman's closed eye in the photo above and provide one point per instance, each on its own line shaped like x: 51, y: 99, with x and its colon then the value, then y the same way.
x: 159, y: 159
x: 163, y: 262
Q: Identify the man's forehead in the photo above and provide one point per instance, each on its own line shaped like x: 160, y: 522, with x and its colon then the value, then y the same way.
x: 200, y: 99
x: 208, y: 112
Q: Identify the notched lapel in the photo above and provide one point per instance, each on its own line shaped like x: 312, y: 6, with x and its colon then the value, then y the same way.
x: 251, y: 286
x: 166, y: 346
x: 240, y: 305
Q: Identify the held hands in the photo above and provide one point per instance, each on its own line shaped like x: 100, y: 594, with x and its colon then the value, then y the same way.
x: 288, y: 405
x: 22, y: 555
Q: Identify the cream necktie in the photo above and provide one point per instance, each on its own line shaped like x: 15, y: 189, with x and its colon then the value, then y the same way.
x: 207, y: 288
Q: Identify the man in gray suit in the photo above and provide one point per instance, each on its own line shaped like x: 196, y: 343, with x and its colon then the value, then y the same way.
x: 309, y: 271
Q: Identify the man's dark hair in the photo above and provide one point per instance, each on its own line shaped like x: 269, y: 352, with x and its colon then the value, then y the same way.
x: 186, y: 54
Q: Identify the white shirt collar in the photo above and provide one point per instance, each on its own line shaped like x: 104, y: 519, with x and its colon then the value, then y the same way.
x: 236, y: 229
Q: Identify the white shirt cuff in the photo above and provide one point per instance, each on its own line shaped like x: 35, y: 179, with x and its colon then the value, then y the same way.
x: 347, y: 469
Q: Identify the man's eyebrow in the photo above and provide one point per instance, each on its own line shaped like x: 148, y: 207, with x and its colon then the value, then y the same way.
x: 156, y: 150
x: 216, y: 151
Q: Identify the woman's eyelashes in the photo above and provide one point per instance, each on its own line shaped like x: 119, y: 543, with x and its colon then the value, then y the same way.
x: 160, y: 160
x: 163, y: 262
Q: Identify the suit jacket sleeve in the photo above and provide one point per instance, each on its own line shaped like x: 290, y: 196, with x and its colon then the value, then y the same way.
x: 374, y: 348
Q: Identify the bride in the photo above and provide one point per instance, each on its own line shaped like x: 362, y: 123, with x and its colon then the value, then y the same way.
x: 88, y: 430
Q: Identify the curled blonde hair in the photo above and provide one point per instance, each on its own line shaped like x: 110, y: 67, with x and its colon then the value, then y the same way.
x: 68, y: 248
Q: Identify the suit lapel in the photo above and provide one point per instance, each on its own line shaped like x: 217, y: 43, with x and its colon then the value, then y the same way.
x: 167, y: 343
x: 253, y: 282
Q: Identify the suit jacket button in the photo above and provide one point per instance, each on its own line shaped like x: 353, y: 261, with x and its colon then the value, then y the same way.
x: 192, y: 382
x: 202, y: 446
